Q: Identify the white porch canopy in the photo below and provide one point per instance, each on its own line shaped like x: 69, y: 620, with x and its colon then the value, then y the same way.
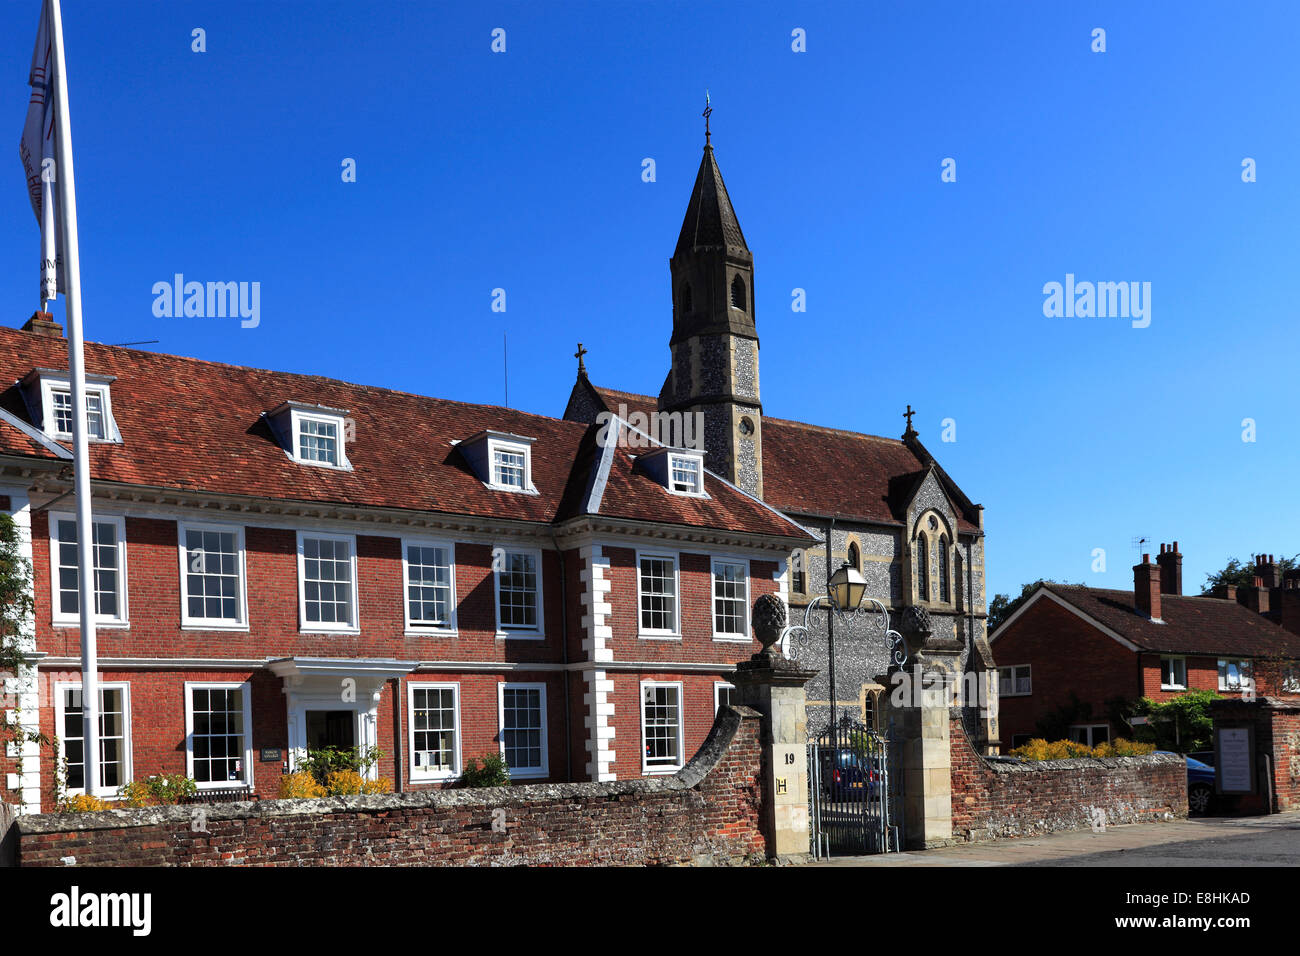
x: 335, y: 684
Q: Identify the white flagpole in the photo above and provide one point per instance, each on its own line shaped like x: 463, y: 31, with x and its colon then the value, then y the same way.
x: 77, y: 371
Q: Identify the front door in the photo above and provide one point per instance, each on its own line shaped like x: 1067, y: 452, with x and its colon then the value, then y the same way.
x: 331, y: 728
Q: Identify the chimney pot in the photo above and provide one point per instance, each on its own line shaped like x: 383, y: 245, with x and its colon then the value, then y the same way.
x: 1171, y: 569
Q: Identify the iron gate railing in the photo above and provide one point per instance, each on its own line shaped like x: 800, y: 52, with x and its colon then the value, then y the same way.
x: 854, y: 804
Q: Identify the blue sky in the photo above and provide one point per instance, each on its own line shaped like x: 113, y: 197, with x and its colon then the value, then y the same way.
x: 522, y: 171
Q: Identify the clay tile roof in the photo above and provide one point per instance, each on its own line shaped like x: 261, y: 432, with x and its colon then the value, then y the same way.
x: 710, y: 221
x: 194, y: 425
x: 811, y: 470
x: 1192, y: 625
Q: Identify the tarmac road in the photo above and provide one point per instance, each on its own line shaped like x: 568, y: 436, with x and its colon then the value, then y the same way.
x: 1201, y: 841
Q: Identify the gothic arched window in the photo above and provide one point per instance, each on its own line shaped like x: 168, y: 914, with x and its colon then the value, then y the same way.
x: 738, y: 293
x: 855, y: 557
x: 944, y: 589
x: 959, y: 566
x: 922, y: 569
x: 686, y: 297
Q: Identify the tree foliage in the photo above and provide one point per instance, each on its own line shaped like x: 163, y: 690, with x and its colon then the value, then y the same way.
x: 1003, y: 606
x: 1181, y: 724
x: 1238, y: 574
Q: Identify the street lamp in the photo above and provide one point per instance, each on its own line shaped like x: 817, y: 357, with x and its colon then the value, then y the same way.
x: 846, y: 587
x: 844, y: 592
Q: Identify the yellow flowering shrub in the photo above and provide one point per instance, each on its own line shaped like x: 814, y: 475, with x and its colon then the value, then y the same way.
x: 83, y: 803
x: 1040, y: 749
x: 342, y: 783
x: 382, y: 785
x: 299, y: 785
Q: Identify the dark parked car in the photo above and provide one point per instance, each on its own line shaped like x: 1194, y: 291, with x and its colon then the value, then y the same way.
x: 844, y: 771
x: 1204, y: 756
x: 1200, y: 785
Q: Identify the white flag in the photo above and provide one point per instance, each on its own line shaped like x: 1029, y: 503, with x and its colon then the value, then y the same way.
x: 39, y: 166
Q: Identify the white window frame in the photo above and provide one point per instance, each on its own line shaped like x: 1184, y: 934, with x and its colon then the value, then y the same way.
x: 675, y: 634
x: 698, y: 492
x: 449, y: 628
x: 718, y: 687
x: 1169, y: 658
x: 1014, y: 692
x: 526, y: 772
x: 1090, y: 741
x: 422, y: 774
x: 316, y: 627
x: 518, y: 448
x: 60, y: 713
x: 731, y: 637
x: 57, y: 617
x: 1245, y: 670
x: 51, y: 383
x: 205, y: 623
x: 514, y: 632
x: 246, y: 690
x: 646, y: 769
x: 297, y: 417
x: 1290, y: 682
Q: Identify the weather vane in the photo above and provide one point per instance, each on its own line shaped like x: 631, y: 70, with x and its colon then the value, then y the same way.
x: 708, y: 111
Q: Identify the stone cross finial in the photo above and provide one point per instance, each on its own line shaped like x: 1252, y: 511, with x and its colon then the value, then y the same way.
x: 908, y: 415
x: 582, y: 367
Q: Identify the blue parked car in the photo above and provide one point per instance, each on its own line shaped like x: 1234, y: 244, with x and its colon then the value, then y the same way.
x: 1200, y: 785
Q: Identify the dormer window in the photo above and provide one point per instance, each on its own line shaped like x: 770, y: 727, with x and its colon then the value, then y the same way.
x: 318, y: 440
x: 687, y: 475
x: 510, y: 466
x: 679, y: 470
x: 61, y: 400
x: 502, y: 461
x: 49, y: 397
x: 312, y: 434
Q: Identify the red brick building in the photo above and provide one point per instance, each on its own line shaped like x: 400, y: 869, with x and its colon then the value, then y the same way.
x: 1068, y: 642
x: 286, y: 562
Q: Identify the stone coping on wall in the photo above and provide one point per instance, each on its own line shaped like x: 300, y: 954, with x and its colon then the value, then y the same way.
x: 1014, y: 765
x: 728, y: 722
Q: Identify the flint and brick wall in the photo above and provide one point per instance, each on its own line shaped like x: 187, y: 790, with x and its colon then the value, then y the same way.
x: 710, y: 812
x: 994, y: 800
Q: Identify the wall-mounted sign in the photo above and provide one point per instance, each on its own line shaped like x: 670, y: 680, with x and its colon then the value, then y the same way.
x: 1234, y: 760
x: 272, y: 755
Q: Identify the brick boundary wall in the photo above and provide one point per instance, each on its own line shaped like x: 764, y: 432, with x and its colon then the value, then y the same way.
x: 708, y: 813
x: 994, y: 800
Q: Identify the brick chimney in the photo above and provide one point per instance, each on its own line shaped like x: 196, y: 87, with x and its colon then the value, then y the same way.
x: 1170, y: 561
x: 1266, y: 569
x: 1227, y: 592
x: 1146, y: 588
x: 42, y: 323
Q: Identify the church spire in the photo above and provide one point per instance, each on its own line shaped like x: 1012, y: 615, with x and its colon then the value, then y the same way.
x: 710, y: 221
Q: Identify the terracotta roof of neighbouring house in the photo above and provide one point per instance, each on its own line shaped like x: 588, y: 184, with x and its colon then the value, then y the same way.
x: 1192, y: 625
x: 811, y: 470
x: 198, y: 426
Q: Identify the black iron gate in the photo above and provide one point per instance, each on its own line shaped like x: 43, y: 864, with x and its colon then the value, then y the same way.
x: 854, y: 797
